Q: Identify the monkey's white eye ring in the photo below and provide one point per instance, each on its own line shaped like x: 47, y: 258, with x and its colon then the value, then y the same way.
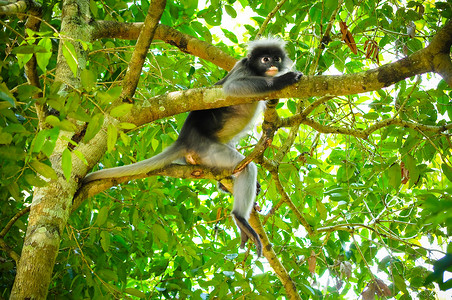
x: 265, y: 59
x: 277, y: 59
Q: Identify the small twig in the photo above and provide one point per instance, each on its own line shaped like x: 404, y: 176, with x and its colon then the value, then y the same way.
x: 269, y: 17
x: 13, y: 220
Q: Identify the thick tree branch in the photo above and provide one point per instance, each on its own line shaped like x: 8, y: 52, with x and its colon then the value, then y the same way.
x: 24, y: 6
x: 130, y: 82
x: 177, y: 171
x: 419, y: 62
x: 185, y: 42
x: 439, y: 49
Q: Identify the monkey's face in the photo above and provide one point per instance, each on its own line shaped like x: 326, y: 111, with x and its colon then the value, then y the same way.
x: 266, y: 61
x: 267, y: 65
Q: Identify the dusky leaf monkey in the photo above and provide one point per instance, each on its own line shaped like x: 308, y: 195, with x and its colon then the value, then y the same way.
x: 208, y: 136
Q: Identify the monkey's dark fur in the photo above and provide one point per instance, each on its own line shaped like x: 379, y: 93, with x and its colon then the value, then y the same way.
x: 208, y: 136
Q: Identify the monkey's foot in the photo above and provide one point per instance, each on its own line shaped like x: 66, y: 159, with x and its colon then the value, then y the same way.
x: 258, y: 188
x: 247, y: 232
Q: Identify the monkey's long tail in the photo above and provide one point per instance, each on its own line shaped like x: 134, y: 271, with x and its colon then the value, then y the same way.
x: 169, y: 155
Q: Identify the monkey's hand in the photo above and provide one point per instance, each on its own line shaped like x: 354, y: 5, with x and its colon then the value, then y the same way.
x: 287, y: 79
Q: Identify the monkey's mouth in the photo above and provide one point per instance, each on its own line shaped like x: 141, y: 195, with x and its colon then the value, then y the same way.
x: 272, y: 71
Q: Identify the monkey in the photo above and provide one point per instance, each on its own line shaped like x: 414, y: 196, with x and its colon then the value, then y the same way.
x: 208, y: 136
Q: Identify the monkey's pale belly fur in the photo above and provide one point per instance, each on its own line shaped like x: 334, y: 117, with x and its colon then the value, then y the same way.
x: 240, y: 123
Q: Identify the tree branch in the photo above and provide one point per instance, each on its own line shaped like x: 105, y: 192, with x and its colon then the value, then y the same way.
x: 185, y: 42
x: 130, y: 81
x: 364, y: 134
x: 175, y: 170
x: 439, y: 48
x: 419, y: 62
x: 29, y: 6
x: 269, y: 17
x: 270, y: 255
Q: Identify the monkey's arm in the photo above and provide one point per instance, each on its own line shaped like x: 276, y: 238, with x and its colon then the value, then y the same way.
x: 259, y: 85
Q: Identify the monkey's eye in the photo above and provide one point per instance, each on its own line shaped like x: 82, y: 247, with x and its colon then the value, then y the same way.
x: 277, y: 59
x: 265, y: 59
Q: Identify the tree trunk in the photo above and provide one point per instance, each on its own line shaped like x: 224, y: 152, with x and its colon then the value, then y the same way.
x: 51, y: 205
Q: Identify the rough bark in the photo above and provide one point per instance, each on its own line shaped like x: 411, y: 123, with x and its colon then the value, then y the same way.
x: 51, y: 205
x: 185, y: 42
x: 270, y: 255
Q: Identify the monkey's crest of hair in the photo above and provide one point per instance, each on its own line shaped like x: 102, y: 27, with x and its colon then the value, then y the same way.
x: 268, y: 42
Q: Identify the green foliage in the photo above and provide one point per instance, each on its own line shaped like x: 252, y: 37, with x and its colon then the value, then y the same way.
x: 379, y: 207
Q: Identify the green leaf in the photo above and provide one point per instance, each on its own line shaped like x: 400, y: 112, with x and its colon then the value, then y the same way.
x: 44, y: 170
x: 230, y: 11
x: 371, y: 116
x: 364, y: 24
x: 23, y: 59
x: 94, y: 9
x: 13, y: 189
x: 121, y: 110
x: 447, y: 170
x: 400, y: 283
x: 25, y: 92
x: 105, y: 240
x: 345, y: 172
x: 135, y: 292
x: 71, y: 57
x: 66, y: 164
x: 29, y: 49
x: 88, y: 78
x: 160, y: 233
x: 395, y: 176
x: 410, y: 164
x: 112, y: 136
x: 39, y: 140
x: 230, y: 35
x: 5, y: 138
x: 53, y: 121
x: 50, y: 142
x: 126, y: 126
x: 80, y: 156
x: 68, y: 126
x: 102, y: 216
x: 34, y: 180
x: 321, y: 209
x: 43, y: 58
x: 80, y: 115
x: 125, y: 138
x: 108, y: 275
x: 93, y: 126
x: 5, y: 95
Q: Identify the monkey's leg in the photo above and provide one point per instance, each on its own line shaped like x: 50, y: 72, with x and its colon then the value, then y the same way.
x: 244, y: 190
